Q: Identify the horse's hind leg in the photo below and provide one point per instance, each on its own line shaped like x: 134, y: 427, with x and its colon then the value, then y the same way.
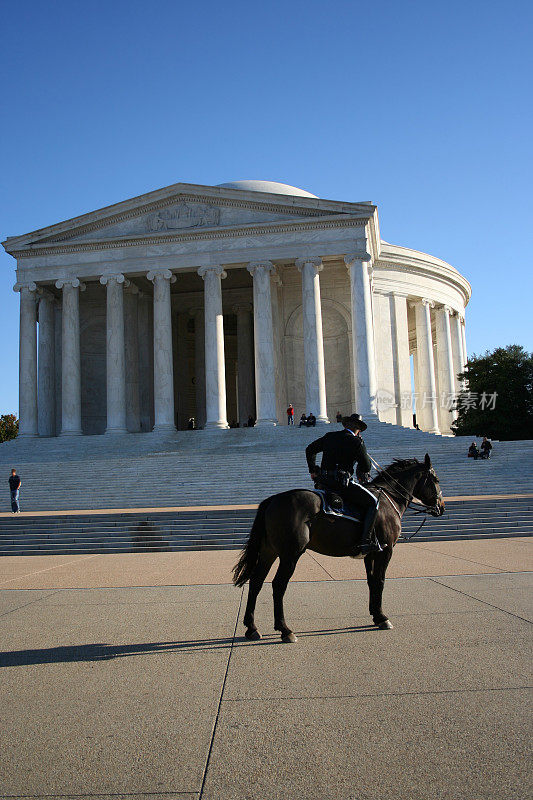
x: 286, y: 568
x: 266, y: 559
x: 376, y: 566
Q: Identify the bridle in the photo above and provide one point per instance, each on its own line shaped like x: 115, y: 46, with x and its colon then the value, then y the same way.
x: 412, y: 504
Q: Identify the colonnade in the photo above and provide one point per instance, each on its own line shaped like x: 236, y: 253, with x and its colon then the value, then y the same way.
x: 37, y: 400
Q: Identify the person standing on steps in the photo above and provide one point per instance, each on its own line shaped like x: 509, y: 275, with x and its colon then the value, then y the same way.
x: 290, y: 415
x: 14, y: 485
x: 341, y: 450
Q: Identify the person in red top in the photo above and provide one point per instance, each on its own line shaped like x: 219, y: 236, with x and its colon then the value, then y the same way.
x: 290, y: 415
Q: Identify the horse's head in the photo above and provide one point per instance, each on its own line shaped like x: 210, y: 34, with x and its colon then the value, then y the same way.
x: 427, y: 489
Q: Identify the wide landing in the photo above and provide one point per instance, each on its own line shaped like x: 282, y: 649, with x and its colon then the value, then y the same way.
x: 126, y: 677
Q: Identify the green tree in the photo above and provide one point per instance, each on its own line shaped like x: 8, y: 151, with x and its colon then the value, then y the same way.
x: 9, y: 427
x: 498, y: 398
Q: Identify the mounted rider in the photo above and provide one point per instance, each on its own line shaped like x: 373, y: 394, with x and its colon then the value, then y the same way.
x: 341, y: 450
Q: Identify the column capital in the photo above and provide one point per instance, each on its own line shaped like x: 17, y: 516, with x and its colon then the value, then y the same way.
x: 29, y: 286
x: 132, y: 288
x: 459, y: 317
x: 351, y: 258
x: 242, y: 307
x: 161, y: 274
x: 114, y: 277
x: 74, y: 282
x: 254, y: 266
x: 315, y: 261
x: 217, y: 270
x: 447, y: 310
x: 427, y: 302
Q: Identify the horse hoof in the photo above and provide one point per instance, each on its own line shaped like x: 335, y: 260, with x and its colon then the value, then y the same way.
x: 253, y: 635
x: 289, y: 638
x: 386, y: 626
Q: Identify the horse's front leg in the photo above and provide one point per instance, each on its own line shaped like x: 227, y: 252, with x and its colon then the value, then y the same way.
x: 376, y: 566
x: 286, y: 568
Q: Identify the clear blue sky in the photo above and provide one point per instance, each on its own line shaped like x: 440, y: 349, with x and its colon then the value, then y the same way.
x: 422, y: 107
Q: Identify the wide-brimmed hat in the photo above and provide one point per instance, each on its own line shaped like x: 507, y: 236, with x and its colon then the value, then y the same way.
x: 355, y: 419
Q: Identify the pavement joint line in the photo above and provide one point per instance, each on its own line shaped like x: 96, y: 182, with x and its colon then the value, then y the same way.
x: 204, y: 776
x: 485, y: 602
x: 320, y: 565
x: 376, y: 694
x: 56, y: 566
x: 229, y: 583
x: 31, y: 603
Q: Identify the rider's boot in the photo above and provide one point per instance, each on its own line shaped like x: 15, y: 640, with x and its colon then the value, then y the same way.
x: 369, y: 542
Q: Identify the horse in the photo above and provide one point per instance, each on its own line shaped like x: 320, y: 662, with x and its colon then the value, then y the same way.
x: 289, y: 523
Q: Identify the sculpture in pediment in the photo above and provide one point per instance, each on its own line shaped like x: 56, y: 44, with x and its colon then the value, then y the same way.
x: 184, y: 215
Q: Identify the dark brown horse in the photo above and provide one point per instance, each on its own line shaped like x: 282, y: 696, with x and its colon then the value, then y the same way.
x: 288, y: 524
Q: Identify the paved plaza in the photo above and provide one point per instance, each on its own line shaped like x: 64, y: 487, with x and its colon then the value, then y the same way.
x: 126, y: 677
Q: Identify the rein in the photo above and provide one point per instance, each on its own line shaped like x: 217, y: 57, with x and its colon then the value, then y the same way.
x: 405, y: 496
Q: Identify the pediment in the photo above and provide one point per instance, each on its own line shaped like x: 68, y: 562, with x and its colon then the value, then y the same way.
x: 183, y: 209
x: 181, y: 215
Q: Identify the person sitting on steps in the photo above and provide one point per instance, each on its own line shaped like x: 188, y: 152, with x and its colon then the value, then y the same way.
x: 486, y: 447
x: 341, y: 450
x: 473, y: 452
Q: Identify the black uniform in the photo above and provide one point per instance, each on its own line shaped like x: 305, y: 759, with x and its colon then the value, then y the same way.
x: 340, y: 450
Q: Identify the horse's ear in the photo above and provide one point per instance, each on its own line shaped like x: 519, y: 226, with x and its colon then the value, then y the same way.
x: 427, y: 461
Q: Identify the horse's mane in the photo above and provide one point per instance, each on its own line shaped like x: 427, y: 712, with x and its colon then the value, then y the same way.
x: 399, y: 465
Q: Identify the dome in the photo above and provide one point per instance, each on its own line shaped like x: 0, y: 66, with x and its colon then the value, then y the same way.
x: 267, y: 186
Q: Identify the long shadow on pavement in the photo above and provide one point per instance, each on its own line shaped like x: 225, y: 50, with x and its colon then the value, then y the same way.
x: 106, y: 652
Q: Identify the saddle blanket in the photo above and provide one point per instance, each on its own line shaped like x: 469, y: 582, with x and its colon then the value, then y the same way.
x: 333, y: 505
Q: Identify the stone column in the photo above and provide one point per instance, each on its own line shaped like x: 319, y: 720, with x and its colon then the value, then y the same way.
x: 146, y: 358
x: 426, y: 367
x: 199, y: 364
x: 363, y: 335
x: 70, y: 357
x: 315, y: 375
x: 131, y: 350
x: 445, y: 371
x: 115, y: 355
x: 402, y: 363
x: 386, y: 374
x: 463, y: 341
x: 215, y: 378
x: 265, y: 386
x: 457, y: 349
x: 279, y: 377
x: 46, y: 366
x: 245, y: 362
x: 163, y: 360
x: 28, y: 424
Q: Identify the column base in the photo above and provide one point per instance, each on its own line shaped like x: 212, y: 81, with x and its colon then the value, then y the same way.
x: 218, y: 425
x: 322, y: 421
x: 71, y: 433
x: 27, y: 435
x: 266, y: 423
x: 115, y: 431
x: 164, y: 428
x: 433, y: 430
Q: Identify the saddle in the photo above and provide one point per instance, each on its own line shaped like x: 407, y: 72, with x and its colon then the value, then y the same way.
x: 333, y: 505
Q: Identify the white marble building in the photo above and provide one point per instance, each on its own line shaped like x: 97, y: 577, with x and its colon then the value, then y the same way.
x: 224, y: 302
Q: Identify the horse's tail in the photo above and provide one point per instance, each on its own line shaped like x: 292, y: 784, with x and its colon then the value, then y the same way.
x: 250, y: 554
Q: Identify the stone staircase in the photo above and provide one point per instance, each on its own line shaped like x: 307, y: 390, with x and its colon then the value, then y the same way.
x: 222, y: 530
x: 234, y: 467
